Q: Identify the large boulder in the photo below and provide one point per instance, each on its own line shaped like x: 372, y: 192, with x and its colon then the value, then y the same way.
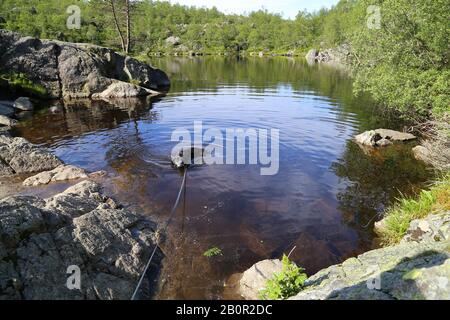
x: 143, y: 74
x: 335, y: 56
x: 173, y: 41
x: 74, y: 70
x: 17, y: 155
x: 39, y: 243
x: 382, y: 137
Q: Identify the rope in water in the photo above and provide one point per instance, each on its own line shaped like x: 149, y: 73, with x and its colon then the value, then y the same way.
x: 172, y: 214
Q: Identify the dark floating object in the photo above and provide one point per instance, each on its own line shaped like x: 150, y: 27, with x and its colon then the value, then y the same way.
x: 188, y: 156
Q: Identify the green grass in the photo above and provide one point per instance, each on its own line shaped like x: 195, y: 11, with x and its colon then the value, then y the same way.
x: 399, y: 216
x: 212, y: 252
x: 20, y: 81
x: 286, y: 283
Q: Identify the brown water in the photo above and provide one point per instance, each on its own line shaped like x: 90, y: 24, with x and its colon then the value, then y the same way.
x: 323, y: 200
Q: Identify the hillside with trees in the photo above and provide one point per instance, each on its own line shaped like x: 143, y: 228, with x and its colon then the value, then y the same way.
x: 403, y: 63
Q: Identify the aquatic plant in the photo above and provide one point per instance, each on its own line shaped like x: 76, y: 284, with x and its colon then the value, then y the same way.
x: 212, y: 252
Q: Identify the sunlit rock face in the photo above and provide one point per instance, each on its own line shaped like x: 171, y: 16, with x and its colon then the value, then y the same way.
x: 74, y: 70
x: 382, y: 137
x: 17, y: 155
x: 42, y: 238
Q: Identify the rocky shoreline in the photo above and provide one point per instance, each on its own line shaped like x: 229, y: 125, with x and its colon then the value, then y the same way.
x: 81, y: 226
x: 339, y: 56
x: 42, y: 240
x: 417, y: 268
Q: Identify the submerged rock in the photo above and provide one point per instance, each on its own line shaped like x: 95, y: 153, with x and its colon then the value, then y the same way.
x: 74, y: 70
x: 382, y: 137
x: 40, y: 240
x: 60, y: 173
x: 17, y: 155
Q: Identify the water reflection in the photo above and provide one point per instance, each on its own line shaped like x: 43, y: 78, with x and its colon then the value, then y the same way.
x: 321, y: 201
x: 373, y: 179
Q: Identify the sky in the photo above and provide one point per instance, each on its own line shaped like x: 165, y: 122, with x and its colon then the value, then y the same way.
x: 289, y: 8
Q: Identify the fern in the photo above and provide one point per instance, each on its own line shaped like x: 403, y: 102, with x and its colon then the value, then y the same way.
x: 285, y: 284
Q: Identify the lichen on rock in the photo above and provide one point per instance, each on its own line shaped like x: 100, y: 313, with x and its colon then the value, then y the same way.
x: 41, y: 238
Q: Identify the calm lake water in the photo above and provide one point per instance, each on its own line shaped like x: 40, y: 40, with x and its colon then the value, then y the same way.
x: 322, y: 201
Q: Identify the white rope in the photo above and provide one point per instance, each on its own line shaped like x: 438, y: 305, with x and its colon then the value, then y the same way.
x: 172, y: 214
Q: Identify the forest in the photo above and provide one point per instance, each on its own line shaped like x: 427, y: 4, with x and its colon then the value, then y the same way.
x: 403, y: 63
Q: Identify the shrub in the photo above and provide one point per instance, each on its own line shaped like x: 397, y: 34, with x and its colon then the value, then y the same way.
x: 404, y: 64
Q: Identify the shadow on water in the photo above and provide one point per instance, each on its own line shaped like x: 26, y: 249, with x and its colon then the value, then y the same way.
x: 321, y: 201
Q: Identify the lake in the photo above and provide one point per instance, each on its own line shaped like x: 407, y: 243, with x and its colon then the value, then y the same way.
x: 323, y: 201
